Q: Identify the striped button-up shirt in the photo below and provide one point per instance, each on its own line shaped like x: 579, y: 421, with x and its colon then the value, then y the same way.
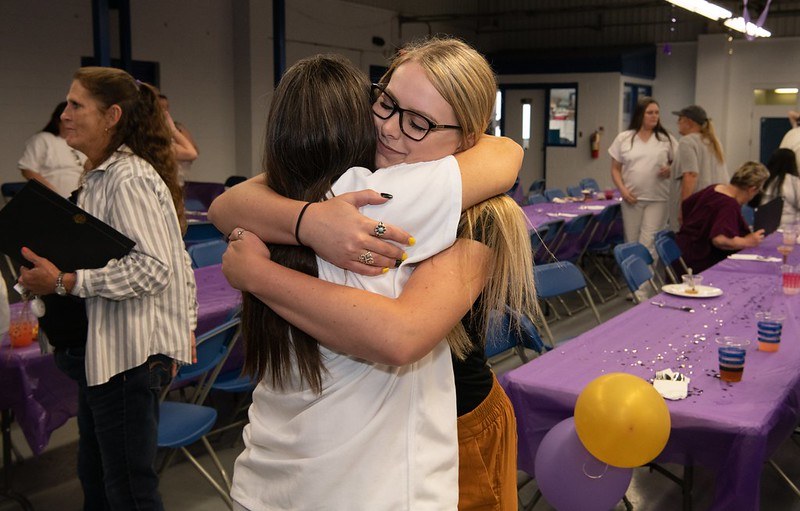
x: 144, y: 303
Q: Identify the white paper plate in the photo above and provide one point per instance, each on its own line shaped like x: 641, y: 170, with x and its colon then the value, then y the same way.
x: 702, y: 291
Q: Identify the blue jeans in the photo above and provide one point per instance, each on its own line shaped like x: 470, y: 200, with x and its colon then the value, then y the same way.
x: 118, y: 426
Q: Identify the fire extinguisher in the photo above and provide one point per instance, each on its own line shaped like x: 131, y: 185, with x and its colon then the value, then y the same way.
x: 594, y: 140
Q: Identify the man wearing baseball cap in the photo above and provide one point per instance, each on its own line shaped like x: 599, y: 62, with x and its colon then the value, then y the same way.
x: 699, y: 161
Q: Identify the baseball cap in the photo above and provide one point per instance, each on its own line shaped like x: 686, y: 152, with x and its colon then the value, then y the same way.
x: 695, y: 113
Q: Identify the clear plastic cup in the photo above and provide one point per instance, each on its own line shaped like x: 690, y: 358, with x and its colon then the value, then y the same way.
x: 791, y: 279
x: 769, y: 326
x: 732, y: 354
x: 690, y: 283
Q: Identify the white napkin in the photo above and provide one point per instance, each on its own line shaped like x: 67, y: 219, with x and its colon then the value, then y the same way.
x: 671, y: 385
x: 565, y: 215
x: 754, y: 257
x: 558, y: 200
x: 595, y: 208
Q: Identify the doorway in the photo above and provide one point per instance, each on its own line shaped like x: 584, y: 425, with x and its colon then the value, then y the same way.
x: 526, y: 105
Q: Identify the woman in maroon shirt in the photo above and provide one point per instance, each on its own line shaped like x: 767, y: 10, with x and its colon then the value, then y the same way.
x: 713, y: 226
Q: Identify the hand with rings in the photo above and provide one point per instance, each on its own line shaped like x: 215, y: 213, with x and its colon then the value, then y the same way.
x: 236, y: 235
x: 366, y: 258
x: 245, y: 255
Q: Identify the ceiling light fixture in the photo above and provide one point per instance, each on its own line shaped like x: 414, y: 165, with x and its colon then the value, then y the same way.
x: 786, y: 90
x: 707, y: 9
x: 751, y: 29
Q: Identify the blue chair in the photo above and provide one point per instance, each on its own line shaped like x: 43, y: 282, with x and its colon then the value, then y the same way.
x: 669, y: 233
x: 537, y: 187
x: 553, y: 193
x: 575, y: 191
x: 589, y: 183
x: 602, y: 245
x: 636, y: 273
x: 536, y: 198
x: 622, y: 251
x: 234, y: 180
x: 200, y: 232
x: 556, y: 279
x: 749, y: 214
x: 543, y: 240
x: 181, y: 424
x: 9, y: 190
x: 193, y: 204
x: 670, y: 254
x: 500, y: 337
x: 574, y: 238
x: 207, y: 253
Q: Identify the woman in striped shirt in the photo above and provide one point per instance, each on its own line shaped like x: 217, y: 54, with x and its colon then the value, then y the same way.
x: 141, y: 308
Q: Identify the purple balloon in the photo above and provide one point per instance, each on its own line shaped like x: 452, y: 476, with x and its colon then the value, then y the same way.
x: 571, y: 479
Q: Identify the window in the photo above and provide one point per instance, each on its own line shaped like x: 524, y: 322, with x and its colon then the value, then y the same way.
x: 561, y: 122
x: 630, y: 97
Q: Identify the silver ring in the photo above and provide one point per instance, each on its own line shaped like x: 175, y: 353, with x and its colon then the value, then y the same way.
x: 366, y: 258
x: 240, y: 233
x: 380, y: 230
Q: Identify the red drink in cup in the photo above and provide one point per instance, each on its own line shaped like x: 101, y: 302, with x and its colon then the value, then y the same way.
x: 609, y: 194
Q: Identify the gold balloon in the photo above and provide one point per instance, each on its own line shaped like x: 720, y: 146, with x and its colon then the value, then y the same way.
x: 622, y: 420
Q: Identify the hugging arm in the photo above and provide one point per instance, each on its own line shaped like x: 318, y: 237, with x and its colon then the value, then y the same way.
x: 393, y: 331
x: 336, y: 231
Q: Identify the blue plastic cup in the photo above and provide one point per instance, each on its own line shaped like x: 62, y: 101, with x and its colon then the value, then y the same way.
x: 769, y: 326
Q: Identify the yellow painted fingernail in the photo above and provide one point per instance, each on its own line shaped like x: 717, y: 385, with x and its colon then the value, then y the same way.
x: 384, y: 270
x: 405, y: 256
x: 412, y: 240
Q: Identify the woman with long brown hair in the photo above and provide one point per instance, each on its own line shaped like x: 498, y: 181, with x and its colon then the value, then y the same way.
x: 397, y: 332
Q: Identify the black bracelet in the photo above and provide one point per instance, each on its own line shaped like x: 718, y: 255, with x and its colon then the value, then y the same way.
x: 297, y: 225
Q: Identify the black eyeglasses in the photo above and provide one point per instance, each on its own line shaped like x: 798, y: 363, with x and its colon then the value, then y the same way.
x: 413, y: 125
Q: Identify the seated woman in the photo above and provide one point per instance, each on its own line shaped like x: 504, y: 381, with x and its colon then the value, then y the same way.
x: 713, y: 226
x: 783, y: 182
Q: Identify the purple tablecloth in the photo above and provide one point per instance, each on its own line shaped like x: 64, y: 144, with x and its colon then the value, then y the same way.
x: 544, y: 212
x: 768, y: 248
x: 43, y: 398
x: 731, y: 428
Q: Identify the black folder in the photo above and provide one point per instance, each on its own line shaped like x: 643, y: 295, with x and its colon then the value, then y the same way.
x: 56, y: 229
x: 768, y: 216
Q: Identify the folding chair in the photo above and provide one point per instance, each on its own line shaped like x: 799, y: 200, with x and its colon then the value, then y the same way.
x: 575, y: 191
x: 234, y: 180
x: 200, y: 232
x: 589, y: 183
x: 669, y: 253
x: 193, y: 204
x: 543, y: 240
x: 602, y: 245
x: 553, y: 193
x: 537, y: 186
x: 636, y: 273
x: 501, y: 339
x: 536, y: 198
x: 184, y: 423
x: 623, y: 250
x: 559, y: 278
x: 9, y: 190
x: 207, y: 253
x: 749, y: 214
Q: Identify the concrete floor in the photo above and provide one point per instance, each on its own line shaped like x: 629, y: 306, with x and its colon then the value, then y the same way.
x: 50, y: 483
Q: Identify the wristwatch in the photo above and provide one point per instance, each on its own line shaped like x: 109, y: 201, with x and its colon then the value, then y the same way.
x: 60, y: 289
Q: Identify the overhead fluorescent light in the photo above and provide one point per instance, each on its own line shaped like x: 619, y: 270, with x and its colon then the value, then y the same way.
x: 703, y: 8
x: 786, y: 90
x: 751, y: 29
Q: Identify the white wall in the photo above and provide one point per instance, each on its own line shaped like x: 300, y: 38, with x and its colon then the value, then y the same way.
x: 674, y: 85
x: 725, y: 84
x: 599, y: 104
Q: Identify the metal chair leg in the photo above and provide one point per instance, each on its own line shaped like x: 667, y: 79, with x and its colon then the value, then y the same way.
x: 784, y: 477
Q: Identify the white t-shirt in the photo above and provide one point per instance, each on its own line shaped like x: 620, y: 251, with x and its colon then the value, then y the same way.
x: 50, y: 156
x: 790, y: 191
x: 378, y: 437
x: 641, y: 163
x: 792, y: 141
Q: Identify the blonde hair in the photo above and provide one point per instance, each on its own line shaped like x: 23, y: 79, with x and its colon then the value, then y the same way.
x: 461, y: 75
x: 751, y: 173
x: 466, y: 81
x: 500, y: 224
x: 709, y: 137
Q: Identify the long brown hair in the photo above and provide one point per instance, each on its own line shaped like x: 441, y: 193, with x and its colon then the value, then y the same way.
x: 142, y: 126
x: 319, y: 125
x: 637, y: 120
